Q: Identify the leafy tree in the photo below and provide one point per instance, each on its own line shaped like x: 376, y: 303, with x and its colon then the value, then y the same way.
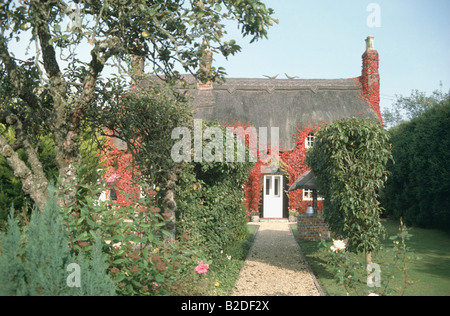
x: 418, y: 189
x: 407, y: 108
x: 349, y: 158
x: 57, y: 89
x: 210, y: 198
x: 144, y: 119
x: 11, y: 193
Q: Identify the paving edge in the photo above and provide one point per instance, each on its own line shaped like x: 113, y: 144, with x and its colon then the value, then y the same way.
x: 248, y: 254
x: 308, y: 266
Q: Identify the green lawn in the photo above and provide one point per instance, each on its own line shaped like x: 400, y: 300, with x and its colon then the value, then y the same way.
x: 431, y: 270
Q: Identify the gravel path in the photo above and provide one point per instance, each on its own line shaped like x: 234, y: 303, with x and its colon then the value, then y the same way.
x: 275, y: 265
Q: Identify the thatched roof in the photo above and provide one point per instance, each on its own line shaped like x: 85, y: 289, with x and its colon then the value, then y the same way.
x: 306, y: 181
x: 284, y: 103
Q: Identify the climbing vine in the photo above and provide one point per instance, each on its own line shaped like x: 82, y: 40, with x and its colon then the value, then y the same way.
x: 119, y: 174
x: 295, y: 166
x: 370, y: 81
x: 291, y: 162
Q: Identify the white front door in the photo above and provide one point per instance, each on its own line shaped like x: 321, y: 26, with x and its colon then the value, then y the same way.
x: 273, y: 196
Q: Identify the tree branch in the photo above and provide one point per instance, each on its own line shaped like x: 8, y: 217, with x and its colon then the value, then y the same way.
x: 24, y: 140
x: 48, y: 51
x: 102, y: 51
x: 16, y: 77
x: 32, y: 184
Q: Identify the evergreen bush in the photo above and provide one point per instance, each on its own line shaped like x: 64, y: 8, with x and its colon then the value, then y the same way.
x: 349, y: 159
x: 419, y: 186
x: 38, y: 261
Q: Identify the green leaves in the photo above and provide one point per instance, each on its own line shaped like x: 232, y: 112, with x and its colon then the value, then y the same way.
x: 209, y: 199
x: 349, y: 158
x: 418, y: 189
x: 36, y: 261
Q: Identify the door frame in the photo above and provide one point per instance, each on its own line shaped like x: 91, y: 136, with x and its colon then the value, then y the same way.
x: 283, y: 195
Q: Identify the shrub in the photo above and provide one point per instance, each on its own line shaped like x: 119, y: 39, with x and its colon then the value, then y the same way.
x: 37, y: 261
x: 349, y: 159
x: 210, y: 203
x: 376, y: 279
x: 141, y: 262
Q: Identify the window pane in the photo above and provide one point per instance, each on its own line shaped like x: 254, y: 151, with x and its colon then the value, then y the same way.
x: 113, y: 195
x: 268, y: 183
x: 277, y: 186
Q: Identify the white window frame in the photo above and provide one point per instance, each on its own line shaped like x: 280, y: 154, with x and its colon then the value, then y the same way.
x: 307, y: 195
x: 309, y: 141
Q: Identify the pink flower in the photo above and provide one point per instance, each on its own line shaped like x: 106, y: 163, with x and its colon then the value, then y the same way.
x: 113, y: 178
x: 202, y: 268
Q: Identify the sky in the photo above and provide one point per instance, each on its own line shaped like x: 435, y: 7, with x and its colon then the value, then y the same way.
x: 325, y: 39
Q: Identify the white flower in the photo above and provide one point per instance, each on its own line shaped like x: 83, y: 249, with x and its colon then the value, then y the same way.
x: 337, y: 245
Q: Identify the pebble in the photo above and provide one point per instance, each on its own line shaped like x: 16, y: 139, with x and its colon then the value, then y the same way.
x: 275, y: 266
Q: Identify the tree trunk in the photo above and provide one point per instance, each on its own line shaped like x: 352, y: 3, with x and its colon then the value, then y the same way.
x: 368, y: 258
x: 34, y: 184
x: 68, y: 161
x: 170, y: 206
x: 368, y: 266
x: 315, y: 197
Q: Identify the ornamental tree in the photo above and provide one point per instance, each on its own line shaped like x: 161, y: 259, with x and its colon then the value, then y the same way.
x: 349, y: 159
x: 58, y: 87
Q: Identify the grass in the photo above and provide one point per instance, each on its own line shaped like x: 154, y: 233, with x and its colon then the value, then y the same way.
x: 431, y: 272
x: 226, y: 267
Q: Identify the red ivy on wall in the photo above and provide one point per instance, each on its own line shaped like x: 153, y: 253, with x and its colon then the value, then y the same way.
x: 119, y: 174
x: 294, y: 164
x: 370, y: 81
x: 252, y: 188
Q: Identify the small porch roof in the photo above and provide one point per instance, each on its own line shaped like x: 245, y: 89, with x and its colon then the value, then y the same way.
x: 306, y: 181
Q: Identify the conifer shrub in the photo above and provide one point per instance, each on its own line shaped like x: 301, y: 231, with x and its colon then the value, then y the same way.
x: 39, y: 262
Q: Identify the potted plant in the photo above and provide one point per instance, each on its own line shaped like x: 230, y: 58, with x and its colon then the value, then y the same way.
x: 254, y: 216
x: 293, y: 214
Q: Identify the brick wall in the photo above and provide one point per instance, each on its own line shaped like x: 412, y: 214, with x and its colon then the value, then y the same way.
x: 312, y: 227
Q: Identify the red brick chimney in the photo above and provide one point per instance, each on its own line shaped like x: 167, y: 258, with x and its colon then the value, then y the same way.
x: 370, y: 78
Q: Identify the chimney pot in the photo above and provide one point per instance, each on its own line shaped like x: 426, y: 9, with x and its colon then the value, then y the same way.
x: 369, y: 43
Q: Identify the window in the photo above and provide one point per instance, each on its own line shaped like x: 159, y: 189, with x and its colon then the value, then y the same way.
x: 310, y: 140
x: 268, y: 182
x: 308, y: 195
x: 113, y: 195
x: 277, y: 186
